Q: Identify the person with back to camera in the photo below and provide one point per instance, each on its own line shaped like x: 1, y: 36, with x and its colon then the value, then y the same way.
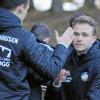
x: 80, y: 80
x: 18, y: 49
x: 42, y: 33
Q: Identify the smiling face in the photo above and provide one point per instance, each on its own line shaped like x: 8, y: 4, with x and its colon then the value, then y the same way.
x: 83, y: 37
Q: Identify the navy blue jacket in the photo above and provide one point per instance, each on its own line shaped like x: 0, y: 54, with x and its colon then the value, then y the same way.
x: 18, y: 49
x: 35, y: 80
x: 83, y: 82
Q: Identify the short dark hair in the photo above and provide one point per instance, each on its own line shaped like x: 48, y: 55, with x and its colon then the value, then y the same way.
x: 85, y: 19
x: 12, y: 4
x: 41, y: 31
x: 74, y: 16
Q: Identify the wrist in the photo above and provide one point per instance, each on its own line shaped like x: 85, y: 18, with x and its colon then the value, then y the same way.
x: 57, y: 84
x: 65, y: 45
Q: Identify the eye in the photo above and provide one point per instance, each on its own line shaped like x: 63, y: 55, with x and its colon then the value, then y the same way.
x: 85, y: 34
x: 75, y: 33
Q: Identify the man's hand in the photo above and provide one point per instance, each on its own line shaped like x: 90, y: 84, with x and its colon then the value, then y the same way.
x: 60, y: 78
x: 67, y: 38
x: 62, y: 75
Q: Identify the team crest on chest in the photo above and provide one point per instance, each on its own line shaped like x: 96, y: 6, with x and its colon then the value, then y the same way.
x: 84, y: 76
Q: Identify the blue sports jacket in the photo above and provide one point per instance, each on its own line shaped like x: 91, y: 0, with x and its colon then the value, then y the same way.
x: 18, y: 49
x: 83, y: 81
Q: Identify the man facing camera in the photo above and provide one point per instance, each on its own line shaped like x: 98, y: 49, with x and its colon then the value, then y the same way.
x: 80, y: 80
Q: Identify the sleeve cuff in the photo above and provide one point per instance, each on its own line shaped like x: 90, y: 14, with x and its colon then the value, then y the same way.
x: 66, y: 46
x: 57, y: 84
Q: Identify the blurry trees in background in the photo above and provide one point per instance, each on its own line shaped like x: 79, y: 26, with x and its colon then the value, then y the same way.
x: 93, y: 4
x: 57, y: 5
x: 42, y: 5
x: 90, y: 3
x: 97, y: 4
x: 72, y: 5
x: 60, y: 21
x: 63, y: 5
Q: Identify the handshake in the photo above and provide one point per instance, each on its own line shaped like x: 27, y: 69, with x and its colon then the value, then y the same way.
x: 64, y: 76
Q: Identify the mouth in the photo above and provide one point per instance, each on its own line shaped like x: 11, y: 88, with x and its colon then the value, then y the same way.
x: 79, y: 44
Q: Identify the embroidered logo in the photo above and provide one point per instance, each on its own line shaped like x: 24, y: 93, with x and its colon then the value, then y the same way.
x: 84, y: 76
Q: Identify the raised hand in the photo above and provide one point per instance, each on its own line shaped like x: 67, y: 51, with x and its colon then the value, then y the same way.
x: 66, y: 38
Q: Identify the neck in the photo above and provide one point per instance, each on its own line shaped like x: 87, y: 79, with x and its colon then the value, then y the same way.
x: 16, y: 14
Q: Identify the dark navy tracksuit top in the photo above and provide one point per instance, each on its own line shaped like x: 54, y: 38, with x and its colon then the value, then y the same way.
x: 18, y: 49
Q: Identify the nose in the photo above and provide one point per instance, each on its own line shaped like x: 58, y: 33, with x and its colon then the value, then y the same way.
x: 79, y: 38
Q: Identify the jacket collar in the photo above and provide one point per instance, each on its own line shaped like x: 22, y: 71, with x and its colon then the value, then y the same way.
x: 8, y: 20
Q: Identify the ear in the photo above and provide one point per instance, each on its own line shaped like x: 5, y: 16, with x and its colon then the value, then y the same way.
x: 20, y: 9
x: 47, y: 40
x: 94, y: 38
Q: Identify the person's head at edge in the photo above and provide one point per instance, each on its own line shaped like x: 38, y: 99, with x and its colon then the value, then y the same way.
x: 42, y: 32
x: 85, y: 33
x: 17, y: 7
